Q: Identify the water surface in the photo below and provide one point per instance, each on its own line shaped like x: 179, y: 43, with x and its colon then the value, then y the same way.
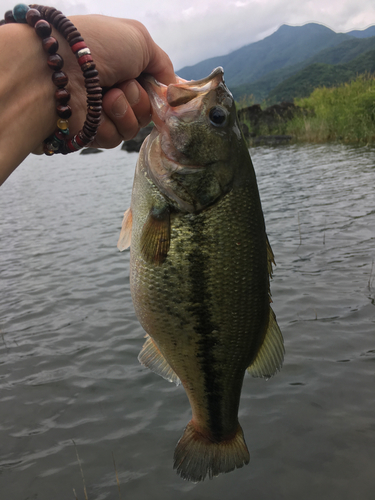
x: 70, y: 339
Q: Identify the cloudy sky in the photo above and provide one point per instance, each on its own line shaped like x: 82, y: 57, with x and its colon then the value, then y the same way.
x: 193, y: 30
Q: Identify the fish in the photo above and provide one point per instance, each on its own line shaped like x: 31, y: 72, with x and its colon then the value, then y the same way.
x: 200, y: 266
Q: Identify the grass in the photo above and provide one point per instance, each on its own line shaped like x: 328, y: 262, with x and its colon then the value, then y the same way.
x: 344, y: 113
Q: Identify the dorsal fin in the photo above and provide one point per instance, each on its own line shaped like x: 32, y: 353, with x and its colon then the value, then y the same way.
x: 270, y: 357
x: 151, y: 357
x: 126, y: 231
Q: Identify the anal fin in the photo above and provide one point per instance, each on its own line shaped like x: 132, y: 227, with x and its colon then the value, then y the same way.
x: 151, y: 357
x: 270, y: 357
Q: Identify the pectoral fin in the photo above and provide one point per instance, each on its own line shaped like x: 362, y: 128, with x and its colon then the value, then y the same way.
x: 126, y: 231
x: 151, y: 357
x: 155, y: 236
x: 270, y: 357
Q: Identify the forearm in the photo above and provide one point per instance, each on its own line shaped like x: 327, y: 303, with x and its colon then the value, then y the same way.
x: 122, y: 49
x: 27, y: 105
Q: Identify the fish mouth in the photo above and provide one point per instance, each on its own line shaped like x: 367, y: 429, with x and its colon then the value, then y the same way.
x: 164, y: 97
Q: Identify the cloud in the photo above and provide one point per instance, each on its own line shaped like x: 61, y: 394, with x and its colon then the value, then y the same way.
x: 193, y: 30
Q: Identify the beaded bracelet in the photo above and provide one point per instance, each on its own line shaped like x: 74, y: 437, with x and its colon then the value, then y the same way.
x: 41, y: 18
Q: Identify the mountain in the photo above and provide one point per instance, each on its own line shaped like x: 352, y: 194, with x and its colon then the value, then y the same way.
x: 289, y: 45
x: 342, y: 53
x: 259, y: 68
x: 363, y: 33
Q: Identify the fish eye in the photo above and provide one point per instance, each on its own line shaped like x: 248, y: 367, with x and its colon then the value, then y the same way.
x: 218, y: 116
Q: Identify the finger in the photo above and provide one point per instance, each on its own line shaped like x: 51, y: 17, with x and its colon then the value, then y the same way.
x: 138, y: 100
x: 119, y: 111
x: 107, y: 136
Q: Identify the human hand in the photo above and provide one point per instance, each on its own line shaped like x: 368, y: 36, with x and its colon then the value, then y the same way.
x: 122, y: 49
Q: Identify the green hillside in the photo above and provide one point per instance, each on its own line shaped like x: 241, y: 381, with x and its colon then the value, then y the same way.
x: 288, y: 46
x: 321, y: 75
x: 347, y: 51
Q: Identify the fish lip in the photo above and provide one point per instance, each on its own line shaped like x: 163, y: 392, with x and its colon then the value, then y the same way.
x: 159, y: 95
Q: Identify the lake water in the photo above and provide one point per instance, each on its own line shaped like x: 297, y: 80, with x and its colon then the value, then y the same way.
x: 70, y: 381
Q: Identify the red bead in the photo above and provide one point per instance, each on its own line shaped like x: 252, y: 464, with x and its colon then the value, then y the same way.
x: 78, y: 46
x: 64, y: 111
x: 79, y: 141
x: 62, y: 96
x: 32, y: 16
x: 43, y: 28
x: 70, y: 146
x: 50, y: 45
x: 59, y: 135
x: 55, y: 61
x: 59, y: 78
x: 85, y: 59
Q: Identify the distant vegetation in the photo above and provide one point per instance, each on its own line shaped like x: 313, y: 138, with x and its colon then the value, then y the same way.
x: 345, y: 113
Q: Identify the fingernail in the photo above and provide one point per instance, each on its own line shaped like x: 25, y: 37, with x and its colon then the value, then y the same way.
x: 132, y: 93
x: 119, y: 106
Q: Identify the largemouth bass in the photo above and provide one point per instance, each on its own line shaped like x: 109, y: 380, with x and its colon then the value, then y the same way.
x: 200, y: 265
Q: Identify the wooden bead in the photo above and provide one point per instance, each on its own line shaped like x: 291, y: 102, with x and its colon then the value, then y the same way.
x: 88, y: 65
x: 91, y: 81
x: 8, y: 17
x: 69, y: 30
x: 52, y: 16
x: 94, y: 90
x: 95, y: 97
x: 64, y: 111
x: 57, y: 19
x: 94, y: 114
x: 50, y: 45
x: 55, y: 61
x: 95, y: 108
x: 62, y: 96
x: 93, y: 121
x: 59, y: 78
x: 48, y: 13
x: 43, y: 28
x: 32, y: 16
x: 90, y: 73
x: 72, y: 36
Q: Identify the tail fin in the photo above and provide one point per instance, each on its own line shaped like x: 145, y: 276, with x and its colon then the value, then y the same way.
x: 196, y: 456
